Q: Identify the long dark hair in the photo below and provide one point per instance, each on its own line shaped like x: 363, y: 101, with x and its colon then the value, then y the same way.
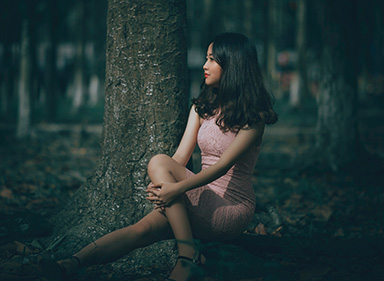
x: 241, y: 99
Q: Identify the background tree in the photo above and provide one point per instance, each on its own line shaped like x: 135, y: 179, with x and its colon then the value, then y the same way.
x: 51, y: 53
x: 145, y: 114
x: 300, y: 91
x: 270, y: 42
x: 24, y: 91
x: 8, y: 37
x: 78, y: 90
x: 337, y: 128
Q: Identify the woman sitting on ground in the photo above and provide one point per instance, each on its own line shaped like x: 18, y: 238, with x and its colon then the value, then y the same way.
x: 227, y: 122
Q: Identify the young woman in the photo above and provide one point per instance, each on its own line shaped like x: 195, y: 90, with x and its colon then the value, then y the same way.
x: 227, y: 121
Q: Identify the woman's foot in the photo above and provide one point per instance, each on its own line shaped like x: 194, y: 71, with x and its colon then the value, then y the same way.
x: 187, y: 268
x: 69, y: 266
x: 59, y: 270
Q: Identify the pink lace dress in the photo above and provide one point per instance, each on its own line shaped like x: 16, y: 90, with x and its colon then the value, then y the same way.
x: 223, y: 208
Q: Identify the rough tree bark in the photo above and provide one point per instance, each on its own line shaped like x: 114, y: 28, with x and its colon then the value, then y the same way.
x: 337, y: 128
x: 145, y: 114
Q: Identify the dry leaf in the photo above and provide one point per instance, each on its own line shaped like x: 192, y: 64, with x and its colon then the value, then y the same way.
x: 260, y: 229
x: 6, y: 193
x: 323, y: 213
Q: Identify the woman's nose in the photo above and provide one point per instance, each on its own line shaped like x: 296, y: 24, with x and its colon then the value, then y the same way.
x: 205, y: 66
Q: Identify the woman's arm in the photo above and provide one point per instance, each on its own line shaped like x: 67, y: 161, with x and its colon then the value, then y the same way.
x: 241, y: 144
x: 165, y: 193
x: 188, y: 142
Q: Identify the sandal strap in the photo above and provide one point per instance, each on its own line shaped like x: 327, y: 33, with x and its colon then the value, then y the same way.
x: 194, y: 261
x: 48, y: 266
x: 77, y: 260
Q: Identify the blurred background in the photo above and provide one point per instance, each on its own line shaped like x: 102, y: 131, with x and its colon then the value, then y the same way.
x: 63, y: 43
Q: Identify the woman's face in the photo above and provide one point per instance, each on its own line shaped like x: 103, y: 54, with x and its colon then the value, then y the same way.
x: 212, y: 70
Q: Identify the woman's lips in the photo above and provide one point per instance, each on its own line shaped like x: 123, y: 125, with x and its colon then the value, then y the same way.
x: 206, y: 75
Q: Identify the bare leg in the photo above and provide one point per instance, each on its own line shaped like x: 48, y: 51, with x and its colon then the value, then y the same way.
x: 152, y: 228
x: 164, y: 169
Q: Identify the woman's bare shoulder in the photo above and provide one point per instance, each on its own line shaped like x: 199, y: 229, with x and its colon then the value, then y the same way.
x: 194, y: 112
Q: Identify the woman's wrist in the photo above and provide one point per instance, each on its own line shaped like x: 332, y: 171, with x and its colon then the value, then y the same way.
x: 180, y: 187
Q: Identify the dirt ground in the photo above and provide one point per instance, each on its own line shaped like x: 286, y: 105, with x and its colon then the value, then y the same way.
x: 309, y: 225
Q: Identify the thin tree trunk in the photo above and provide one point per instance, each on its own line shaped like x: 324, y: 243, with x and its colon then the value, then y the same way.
x: 4, y: 95
x: 210, y: 18
x: 24, y: 103
x: 270, y: 46
x: 337, y: 136
x: 145, y: 114
x: 78, y: 83
x: 51, y: 69
x: 248, y: 18
x: 96, y: 18
x: 33, y: 68
x: 94, y: 90
x: 301, y: 91
x: 6, y: 79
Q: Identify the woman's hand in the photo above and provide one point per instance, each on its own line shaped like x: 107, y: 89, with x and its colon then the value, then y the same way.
x: 163, y: 194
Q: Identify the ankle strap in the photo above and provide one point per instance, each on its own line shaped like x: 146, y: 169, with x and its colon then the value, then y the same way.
x: 194, y: 261
x: 77, y: 260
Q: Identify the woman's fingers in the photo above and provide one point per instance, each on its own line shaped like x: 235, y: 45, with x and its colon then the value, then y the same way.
x: 152, y: 185
x: 153, y: 188
x: 160, y: 205
x: 154, y: 195
x: 153, y: 198
x: 156, y: 200
x: 162, y: 209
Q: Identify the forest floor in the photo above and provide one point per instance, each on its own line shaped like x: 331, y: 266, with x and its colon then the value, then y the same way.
x: 309, y: 225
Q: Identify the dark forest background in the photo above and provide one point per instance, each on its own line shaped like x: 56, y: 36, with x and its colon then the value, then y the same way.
x: 319, y: 179
x: 63, y: 45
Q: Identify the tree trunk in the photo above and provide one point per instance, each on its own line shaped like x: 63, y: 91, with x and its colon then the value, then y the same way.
x: 51, y: 68
x: 248, y: 12
x: 96, y: 82
x: 337, y: 134
x: 270, y: 44
x: 24, y: 103
x: 6, y: 79
x: 79, y: 88
x: 301, y: 91
x: 145, y: 114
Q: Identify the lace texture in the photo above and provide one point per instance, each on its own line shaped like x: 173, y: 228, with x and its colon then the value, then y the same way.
x: 223, y: 208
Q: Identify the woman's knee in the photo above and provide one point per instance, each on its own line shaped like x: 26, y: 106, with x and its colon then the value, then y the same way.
x: 158, y: 161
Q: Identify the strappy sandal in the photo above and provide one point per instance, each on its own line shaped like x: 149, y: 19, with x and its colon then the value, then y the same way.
x: 198, y: 272
x: 53, y: 270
